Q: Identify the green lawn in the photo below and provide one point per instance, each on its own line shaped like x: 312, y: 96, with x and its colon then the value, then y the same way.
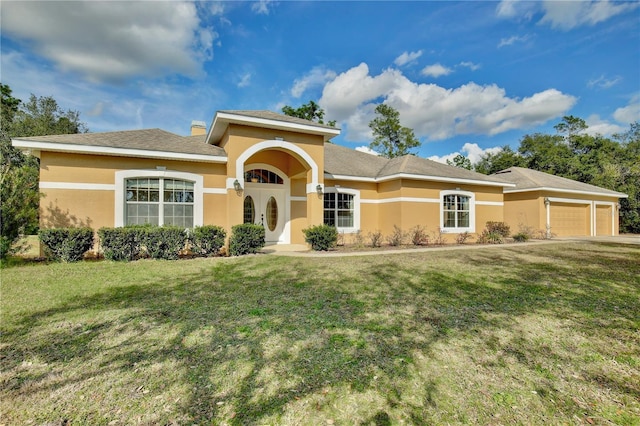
x: 537, y: 334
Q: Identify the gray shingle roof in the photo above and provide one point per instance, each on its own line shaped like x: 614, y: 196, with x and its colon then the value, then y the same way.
x: 527, y: 179
x: 147, y: 139
x: 343, y: 161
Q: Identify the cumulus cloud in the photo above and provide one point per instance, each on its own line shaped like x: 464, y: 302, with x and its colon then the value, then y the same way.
x: 106, y: 42
x: 470, y: 150
x: 564, y: 15
x: 630, y: 113
x: 317, y: 77
x: 432, y: 111
x: 436, y: 70
x: 407, y: 57
x: 470, y: 65
x: 597, y: 126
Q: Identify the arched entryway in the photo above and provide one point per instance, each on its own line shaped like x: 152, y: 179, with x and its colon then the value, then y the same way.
x: 265, y: 201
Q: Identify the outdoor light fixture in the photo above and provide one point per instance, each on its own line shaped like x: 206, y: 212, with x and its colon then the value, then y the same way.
x: 236, y: 186
x: 319, y: 189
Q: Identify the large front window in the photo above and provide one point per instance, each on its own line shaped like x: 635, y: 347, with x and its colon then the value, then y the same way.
x: 339, y: 210
x: 159, y: 201
x: 456, y: 211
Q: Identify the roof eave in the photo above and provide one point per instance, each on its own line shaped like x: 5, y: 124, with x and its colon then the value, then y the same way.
x: 418, y: 177
x: 222, y: 120
x: 36, y: 146
x: 568, y: 191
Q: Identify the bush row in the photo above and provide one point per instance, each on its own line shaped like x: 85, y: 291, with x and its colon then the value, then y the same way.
x: 157, y: 242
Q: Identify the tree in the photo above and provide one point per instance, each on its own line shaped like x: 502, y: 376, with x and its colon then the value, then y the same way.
x: 460, y: 161
x: 310, y: 111
x: 390, y: 138
x: 19, y: 172
x: 492, y: 163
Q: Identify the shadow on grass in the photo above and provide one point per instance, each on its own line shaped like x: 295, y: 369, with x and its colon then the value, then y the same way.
x: 289, y: 329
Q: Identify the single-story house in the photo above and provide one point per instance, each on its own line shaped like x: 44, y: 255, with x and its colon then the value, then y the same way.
x: 279, y: 171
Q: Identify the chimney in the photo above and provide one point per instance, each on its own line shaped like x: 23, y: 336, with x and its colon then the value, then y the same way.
x: 198, y: 128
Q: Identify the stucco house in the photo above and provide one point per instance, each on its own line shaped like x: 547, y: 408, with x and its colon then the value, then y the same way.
x: 282, y: 172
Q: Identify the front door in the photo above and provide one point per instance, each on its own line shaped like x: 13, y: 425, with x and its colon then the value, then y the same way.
x: 265, y: 206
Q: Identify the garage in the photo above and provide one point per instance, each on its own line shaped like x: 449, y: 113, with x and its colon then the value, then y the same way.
x: 570, y: 220
x: 604, y: 218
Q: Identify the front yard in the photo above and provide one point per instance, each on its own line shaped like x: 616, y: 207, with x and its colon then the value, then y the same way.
x: 543, y: 334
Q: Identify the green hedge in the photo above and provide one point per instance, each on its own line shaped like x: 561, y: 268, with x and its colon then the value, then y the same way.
x: 246, y: 238
x: 321, y: 237
x: 207, y: 240
x: 163, y: 242
x: 66, y: 244
x: 120, y: 243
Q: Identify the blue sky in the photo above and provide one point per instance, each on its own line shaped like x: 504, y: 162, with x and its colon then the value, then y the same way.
x: 466, y: 76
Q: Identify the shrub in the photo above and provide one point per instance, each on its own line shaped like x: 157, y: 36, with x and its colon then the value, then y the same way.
x: 120, y: 243
x: 163, y: 242
x: 438, y: 239
x: 463, y: 237
x: 321, y: 237
x: 490, y: 238
x: 246, y: 238
x: 500, y: 228
x: 358, y: 239
x: 375, y: 239
x: 521, y: 237
x: 208, y: 240
x: 397, y: 237
x: 66, y: 244
x: 418, y: 235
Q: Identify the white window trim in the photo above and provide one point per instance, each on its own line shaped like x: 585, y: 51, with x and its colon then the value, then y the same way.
x: 122, y: 176
x: 356, y: 207
x: 472, y: 212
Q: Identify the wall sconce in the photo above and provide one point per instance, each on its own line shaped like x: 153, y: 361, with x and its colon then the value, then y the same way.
x: 319, y: 189
x: 237, y: 186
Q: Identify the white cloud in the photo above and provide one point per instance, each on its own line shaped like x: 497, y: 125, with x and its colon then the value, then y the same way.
x: 512, y: 40
x: 407, y: 57
x: 261, y: 7
x: 434, y: 112
x: 245, y: 80
x: 317, y: 77
x: 597, y: 126
x: 470, y: 65
x: 435, y: 70
x: 367, y: 150
x: 630, y: 113
x: 564, y: 15
x: 603, y: 82
x: 106, y: 43
x: 470, y: 150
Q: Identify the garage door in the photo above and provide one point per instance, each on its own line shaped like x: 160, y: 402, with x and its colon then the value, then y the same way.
x: 570, y: 220
x: 603, y: 220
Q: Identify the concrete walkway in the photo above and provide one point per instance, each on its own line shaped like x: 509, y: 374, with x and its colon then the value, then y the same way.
x: 301, y: 250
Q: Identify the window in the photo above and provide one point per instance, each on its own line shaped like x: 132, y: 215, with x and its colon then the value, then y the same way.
x: 262, y: 176
x: 457, y: 212
x: 159, y: 201
x: 339, y: 209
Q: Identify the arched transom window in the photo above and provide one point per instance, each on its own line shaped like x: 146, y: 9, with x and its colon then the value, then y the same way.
x: 262, y: 176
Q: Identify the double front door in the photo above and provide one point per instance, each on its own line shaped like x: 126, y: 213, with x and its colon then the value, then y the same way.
x: 266, y: 206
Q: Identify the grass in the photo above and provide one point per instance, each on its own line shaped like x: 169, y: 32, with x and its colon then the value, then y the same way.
x: 516, y: 335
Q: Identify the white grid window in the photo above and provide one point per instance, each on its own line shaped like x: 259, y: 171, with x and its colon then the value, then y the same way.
x: 143, y: 203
